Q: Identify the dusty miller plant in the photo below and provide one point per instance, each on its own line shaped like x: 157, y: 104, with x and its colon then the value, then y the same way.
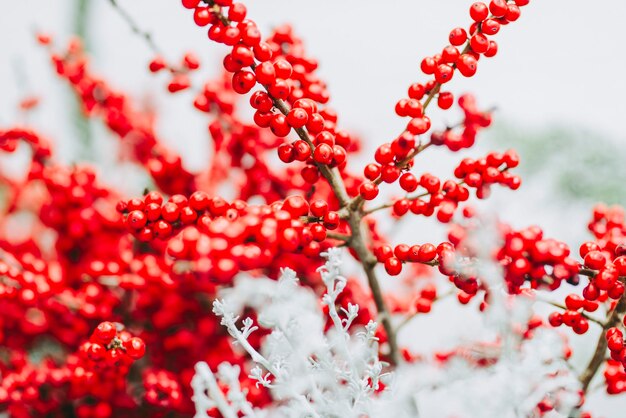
x: 337, y: 373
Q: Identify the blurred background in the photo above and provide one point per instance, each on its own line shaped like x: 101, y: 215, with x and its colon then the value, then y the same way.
x: 555, y: 83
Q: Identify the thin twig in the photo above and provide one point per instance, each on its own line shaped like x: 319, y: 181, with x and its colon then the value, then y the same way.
x: 135, y: 27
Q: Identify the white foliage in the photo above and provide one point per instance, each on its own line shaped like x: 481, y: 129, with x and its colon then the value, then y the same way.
x: 337, y: 373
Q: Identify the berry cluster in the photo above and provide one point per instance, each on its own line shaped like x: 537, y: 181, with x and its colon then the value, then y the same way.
x: 180, y: 77
x: 476, y: 42
x: 133, y: 127
x: 464, y: 135
x: 615, y: 377
x: 427, y: 253
x: 527, y: 255
x: 615, y: 344
x: 607, y: 254
x: 239, y: 236
x: 482, y: 173
x: 573, y: 316
x: 10, y: 138
x: 287, y: 74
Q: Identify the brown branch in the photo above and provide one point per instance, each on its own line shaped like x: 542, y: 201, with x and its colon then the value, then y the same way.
x: 599, y: 355
x: 367, y: 259
x: 135, y: 27
x: 338, y: 236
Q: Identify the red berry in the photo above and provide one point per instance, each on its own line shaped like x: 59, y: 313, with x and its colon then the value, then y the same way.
x: 368, y: 190
x: 408, y: 182
x: 135, y: 348
x: 479, y: 11
x: 393, y: 266
x: 105, y: 332
x: 467, y: 65
x: 458, y: 36
x: 297, y: 118
x: 445, y: 100
x: 323, y: 154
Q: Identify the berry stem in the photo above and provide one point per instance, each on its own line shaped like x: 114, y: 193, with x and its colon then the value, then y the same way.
x: 600, y: 354
x: 135, y: 27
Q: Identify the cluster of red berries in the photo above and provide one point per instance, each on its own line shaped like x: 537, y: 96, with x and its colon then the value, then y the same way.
x: 464, y: 135
x: 71, y: 209
x: 180, y: 73
x: 103, y: 362
x: 241, y: 237
x: 112, y: 345
x: 134, y: 128
x: 573, y: 315
x: 287, y: 74
x: 528, y: 255
x: 483, y: 172
x: 445, y: 198
x: 487, y: 21
x: 216, y: 95
x: 615, y: 376
x: 615, y: 344
x: 607, y: 254
x: 23, y: 383
x: 427, y: 253
x: 10, y: 138
x: 162, y: 389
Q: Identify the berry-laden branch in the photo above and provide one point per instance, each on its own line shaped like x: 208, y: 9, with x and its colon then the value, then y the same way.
x: 248, y: 51
x: 334, y: 179
x: 599, y: 354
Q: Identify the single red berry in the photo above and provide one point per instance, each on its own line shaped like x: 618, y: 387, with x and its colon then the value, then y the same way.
x: 297, y: 118
x: 393, y: 266
x: 490, y: 27
x: 444, y: 73
x: 157, y: 64
x: 408, y: 182
x: 105, y: 332
x: 428, y: 66
x: 498, y: 8
x: 136, y: 220
x: 319, y: 208
x: 243, y: 81
x: 458, y: 36
x: 479, y: 43
x: 445, y: 100
x: 323, y: 154
x: 493, y: 49
x: 427, y: 253
x: 135, y: 348
x: 467, y: 65
x: 237, y: 12
x: 286, y: 153
x: 296, y: 206
x: 479, y: 11
x: 368, y: 190
x: 265, y: 73
x: 279, y: 125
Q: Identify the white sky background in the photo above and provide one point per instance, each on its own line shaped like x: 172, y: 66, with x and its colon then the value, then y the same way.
x: 559, y: 64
